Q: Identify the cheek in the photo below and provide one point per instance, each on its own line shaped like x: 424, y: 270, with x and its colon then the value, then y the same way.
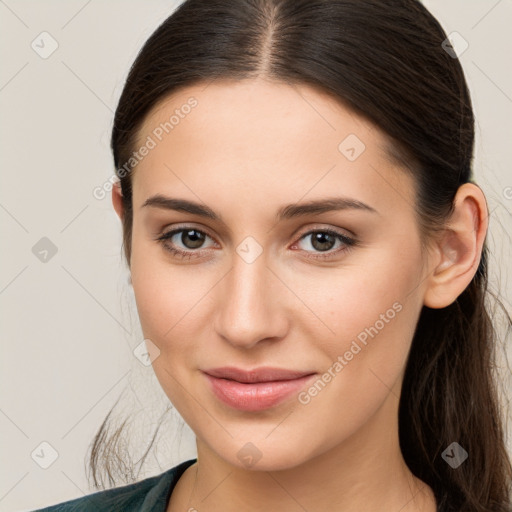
x: 363, y: 370
x: 365, y: 294
x: 373, y: 311
x: 168, y: 302
x: 166, y: 295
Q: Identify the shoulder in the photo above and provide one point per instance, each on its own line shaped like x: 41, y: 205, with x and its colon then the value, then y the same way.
x: 150, y: 494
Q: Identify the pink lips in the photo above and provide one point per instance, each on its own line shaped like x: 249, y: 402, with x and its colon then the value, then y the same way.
x: 256, y: 389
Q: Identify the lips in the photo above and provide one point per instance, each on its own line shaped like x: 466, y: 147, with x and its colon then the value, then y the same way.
x: 257, y: 389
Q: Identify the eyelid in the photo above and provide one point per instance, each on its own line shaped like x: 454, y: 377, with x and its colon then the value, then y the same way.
x: 297, y: 234
x: 186, y: 227
x: 322, y: 227
x: 349, y: 240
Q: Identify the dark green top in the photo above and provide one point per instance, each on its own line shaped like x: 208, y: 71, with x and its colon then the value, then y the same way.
x: 149, y: 495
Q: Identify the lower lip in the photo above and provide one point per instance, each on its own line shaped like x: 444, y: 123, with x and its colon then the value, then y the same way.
x: 255, y: 396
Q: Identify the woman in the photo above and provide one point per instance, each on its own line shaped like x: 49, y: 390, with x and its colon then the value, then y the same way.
x: 307, y: 252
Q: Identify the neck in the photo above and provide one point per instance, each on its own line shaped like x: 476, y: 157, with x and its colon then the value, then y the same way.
x: 365, y: 472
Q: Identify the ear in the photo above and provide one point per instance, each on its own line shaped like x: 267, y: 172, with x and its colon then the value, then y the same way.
x: 117, y: 199
x: 458, y: 251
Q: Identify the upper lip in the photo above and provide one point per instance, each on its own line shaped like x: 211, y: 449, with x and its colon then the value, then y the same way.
x: 262, y: 374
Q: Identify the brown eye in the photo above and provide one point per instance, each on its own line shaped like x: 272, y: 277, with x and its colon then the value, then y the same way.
x: 189, y: 238
x: 195, y: 237
x: 324, y: 240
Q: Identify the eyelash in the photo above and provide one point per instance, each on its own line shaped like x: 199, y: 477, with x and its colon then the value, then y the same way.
x: 347, y: 241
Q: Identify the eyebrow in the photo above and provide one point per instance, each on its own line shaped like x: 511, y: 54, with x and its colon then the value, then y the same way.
x: 286, y: 212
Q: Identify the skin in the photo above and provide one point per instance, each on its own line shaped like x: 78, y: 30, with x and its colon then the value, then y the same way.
x: 245, y: 150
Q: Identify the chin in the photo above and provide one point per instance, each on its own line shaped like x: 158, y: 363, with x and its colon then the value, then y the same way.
x: 257, y: 457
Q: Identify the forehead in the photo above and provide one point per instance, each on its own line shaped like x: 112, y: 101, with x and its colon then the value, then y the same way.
x: 238, y: 108
x: 262, y: 138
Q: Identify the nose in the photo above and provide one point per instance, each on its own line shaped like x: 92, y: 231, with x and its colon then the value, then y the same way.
x: 251, y: 307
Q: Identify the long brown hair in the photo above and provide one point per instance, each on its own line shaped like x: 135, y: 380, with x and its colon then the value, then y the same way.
x: 385, y: 60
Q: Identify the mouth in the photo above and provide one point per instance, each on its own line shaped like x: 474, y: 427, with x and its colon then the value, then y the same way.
x: 255, y: 390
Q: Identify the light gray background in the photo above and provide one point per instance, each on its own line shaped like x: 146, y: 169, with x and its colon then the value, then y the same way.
x: 69, y: 325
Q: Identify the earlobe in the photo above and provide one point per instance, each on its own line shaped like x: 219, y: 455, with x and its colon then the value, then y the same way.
x: 459, y: 249
x: 117, y: 199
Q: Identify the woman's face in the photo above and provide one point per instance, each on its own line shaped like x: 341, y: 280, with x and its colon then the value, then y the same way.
x: 264, y: 283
